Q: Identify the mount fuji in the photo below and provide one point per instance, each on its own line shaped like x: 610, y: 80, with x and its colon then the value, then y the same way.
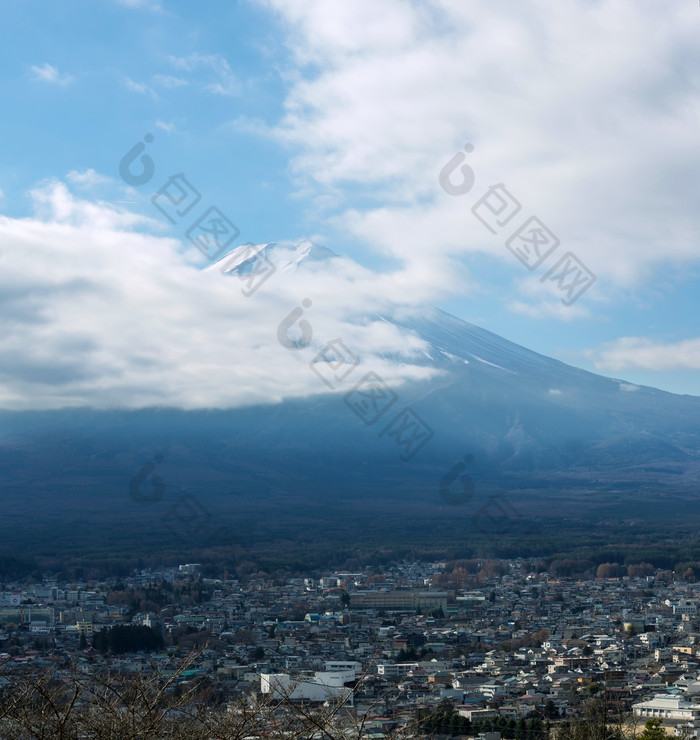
x: 488, y: 421
x: 519, y: 410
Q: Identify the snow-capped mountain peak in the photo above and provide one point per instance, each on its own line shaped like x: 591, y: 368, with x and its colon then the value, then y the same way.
x: 285, y: 256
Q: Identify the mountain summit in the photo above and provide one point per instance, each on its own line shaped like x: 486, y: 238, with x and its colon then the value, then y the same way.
x: 284, y: 256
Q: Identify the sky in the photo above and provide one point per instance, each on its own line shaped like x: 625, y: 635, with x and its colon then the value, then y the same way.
x: 531, y: 167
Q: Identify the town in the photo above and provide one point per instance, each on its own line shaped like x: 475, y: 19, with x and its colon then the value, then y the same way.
x: 478, y: 646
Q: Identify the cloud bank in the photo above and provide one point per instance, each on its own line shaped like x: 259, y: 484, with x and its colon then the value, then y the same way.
x: 102, y: 311
x: 587, y: 111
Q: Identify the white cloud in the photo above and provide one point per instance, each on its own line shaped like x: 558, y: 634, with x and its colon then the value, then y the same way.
x: 168, y: 127
x: 88, y: 178
x: 55, y: 204
x: 104, y: 312
x: 638, y: 352
x: 629, y: 387
x: 603, y: 146
x: 139, y: 87
x: 228, y: 85
x: 48, y: 73
x: 170, y: 82
x: 213, y: 72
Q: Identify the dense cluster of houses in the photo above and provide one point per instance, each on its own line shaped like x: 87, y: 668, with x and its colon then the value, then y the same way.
x: 516, y: 644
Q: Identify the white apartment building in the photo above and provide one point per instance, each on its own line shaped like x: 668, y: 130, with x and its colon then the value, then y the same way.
x: 664, y: 706
x: 323, y: 686
x: 394, y: 669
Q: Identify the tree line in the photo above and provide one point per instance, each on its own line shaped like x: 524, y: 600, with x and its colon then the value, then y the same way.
x: 128, y: 638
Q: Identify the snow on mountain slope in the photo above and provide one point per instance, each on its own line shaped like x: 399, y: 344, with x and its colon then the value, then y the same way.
x: 286, y: 257
x: 520, y: 407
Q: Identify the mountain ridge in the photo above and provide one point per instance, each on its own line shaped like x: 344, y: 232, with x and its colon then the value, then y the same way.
x: 517, y: 422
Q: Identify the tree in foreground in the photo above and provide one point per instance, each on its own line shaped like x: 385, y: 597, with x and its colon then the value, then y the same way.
x: 653, y: 730
x: 163, y: 704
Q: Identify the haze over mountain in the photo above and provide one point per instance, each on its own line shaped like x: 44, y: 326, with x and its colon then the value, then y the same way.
x: 362, y: 452
x: 519, y: 409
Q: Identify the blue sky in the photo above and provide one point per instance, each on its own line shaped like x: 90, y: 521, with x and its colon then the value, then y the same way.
x: 331, y: 121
